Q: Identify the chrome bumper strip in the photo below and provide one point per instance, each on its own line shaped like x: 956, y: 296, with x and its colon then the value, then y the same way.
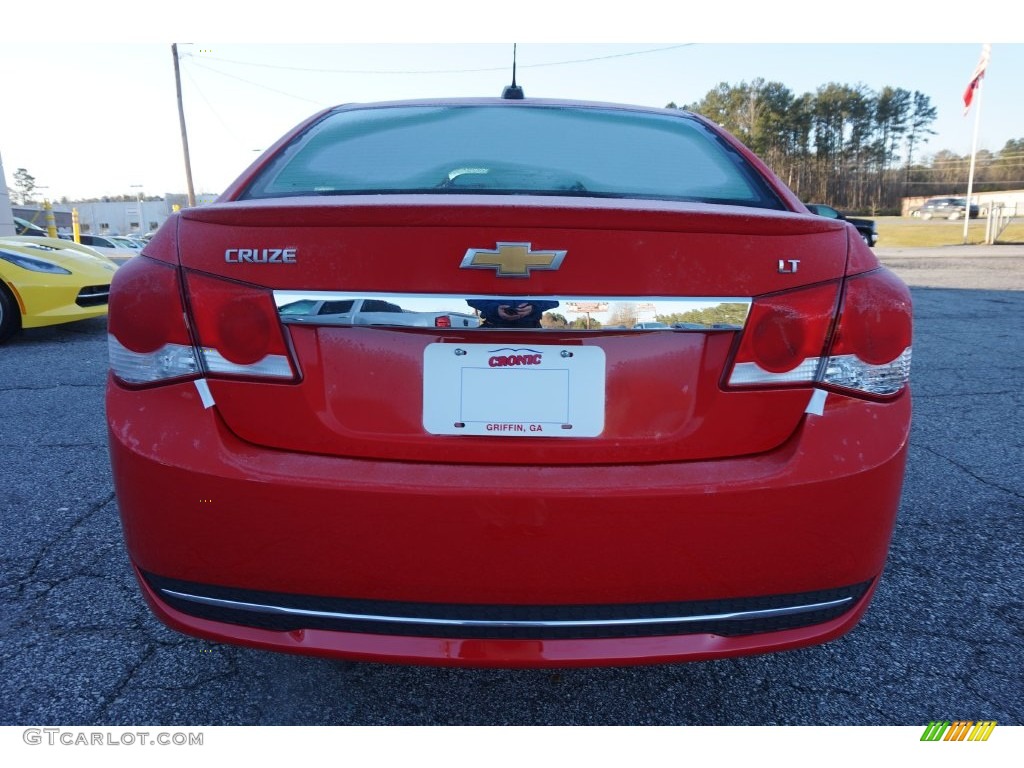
x: 478, y: 623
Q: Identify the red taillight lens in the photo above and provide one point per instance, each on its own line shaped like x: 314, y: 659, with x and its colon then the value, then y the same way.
x: 145, y: 306
x: 785, y: 337
x: 238, y: 328
x: 876, y: 320
x: 148, y: 338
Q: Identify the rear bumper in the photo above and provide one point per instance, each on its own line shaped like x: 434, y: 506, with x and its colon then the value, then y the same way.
x: 227, y: 523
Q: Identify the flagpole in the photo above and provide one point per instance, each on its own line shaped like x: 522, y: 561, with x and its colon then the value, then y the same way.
x: 974, y: 152
x: 974, y: 89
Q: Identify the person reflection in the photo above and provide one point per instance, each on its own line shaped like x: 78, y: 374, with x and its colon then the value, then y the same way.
x: 510, y: 313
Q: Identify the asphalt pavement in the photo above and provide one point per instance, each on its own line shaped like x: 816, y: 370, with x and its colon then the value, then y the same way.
x: 943, y: 639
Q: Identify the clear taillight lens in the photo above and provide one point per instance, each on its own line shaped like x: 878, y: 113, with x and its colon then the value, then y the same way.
x: 849, y: 372
x: 171, y: 361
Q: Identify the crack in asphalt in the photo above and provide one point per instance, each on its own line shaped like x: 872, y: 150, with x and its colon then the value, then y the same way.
x: 22, y: 446
x: 37, y: 561
x: 203, y: 680
x: 27, y: 618
x: 115, y: 693
x: 102, y: 444
x: 918, y: 396
x: 970, y: 472
x: 946, y: 633
x: 970, y: 682
x: 49, y: 387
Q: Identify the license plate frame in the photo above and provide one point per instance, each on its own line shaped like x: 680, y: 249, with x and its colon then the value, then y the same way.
x: 499, y: 390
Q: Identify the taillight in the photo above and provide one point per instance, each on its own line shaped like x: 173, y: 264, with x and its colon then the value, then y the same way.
x: 148, y: 338
x: 786, y: 339
x: 872, y: 346
x: 238, y: 329
x: 235, y: 324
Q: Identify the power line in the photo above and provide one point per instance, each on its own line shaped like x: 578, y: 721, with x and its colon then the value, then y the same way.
x: 257, y: 85
x: 216, y: 114
x: 447, y: 71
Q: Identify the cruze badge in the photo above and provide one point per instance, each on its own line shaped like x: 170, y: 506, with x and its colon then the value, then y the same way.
x: 512, y: 259
x: 260, y: 255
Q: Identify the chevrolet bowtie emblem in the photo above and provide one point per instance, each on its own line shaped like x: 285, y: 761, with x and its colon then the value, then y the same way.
x: 512, y: 259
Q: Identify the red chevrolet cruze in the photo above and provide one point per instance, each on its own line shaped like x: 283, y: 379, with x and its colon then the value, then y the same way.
x: 508, y: 382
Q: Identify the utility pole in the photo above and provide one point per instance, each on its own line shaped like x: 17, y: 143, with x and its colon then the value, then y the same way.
x: 184, y: 135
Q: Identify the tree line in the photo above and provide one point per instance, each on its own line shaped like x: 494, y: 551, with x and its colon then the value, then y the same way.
x: 850, y: 146
x: 25, y: 187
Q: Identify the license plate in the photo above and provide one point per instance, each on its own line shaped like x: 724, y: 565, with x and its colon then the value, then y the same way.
x: 501, y: 391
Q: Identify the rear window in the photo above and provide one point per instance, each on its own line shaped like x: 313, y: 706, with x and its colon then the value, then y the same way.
x: 578, y: 151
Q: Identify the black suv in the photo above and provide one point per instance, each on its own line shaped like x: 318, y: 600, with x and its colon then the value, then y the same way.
x: 866, y: 227
x: 951, y: 208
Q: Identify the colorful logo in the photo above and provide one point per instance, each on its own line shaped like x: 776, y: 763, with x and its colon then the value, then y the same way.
x: 960, y: 730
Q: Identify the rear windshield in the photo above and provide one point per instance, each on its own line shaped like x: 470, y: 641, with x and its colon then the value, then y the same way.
x: 531, y: 150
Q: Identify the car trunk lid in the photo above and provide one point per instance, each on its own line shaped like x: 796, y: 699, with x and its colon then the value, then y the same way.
x: 398, y: 387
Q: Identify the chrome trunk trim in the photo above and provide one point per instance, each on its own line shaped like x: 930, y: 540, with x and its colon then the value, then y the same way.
x: 535, y: 312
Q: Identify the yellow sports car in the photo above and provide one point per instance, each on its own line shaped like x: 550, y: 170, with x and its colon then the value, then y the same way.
x: 46, y: 281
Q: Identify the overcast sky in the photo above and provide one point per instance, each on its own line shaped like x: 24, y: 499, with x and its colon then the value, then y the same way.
x: 100, y: 117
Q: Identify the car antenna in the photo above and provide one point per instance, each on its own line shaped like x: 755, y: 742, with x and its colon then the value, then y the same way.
x: 513, y: 91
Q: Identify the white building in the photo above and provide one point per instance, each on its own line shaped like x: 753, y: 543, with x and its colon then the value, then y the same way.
x: 129, y: 217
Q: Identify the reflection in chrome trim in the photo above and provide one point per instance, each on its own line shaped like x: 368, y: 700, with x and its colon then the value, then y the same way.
x: 564, y: 313
x: 766, y: 613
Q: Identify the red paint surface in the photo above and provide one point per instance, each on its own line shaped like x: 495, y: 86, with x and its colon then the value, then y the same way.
x: 328, y: 485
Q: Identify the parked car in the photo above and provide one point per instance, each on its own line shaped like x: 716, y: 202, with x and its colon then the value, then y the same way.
x: 509, y: 495
x: 46, y: 281
x: 356, y: 310
x: 951, y: 208
x: 109, y: 246
x: 127, y: 242
x: 25, y: 228
x: 866, y: 228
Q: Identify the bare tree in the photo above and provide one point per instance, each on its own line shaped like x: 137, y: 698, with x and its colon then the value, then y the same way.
x: 25, y: 183
x: 624, y: 313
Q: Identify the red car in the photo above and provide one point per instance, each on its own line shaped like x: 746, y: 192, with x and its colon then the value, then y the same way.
x: 673, y: 426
